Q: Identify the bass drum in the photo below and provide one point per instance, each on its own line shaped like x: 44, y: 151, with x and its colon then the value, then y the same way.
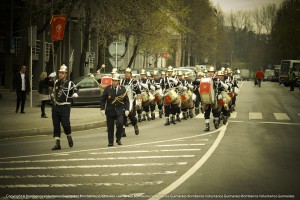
x: 159, y: 97
x: 171, y: 97
x: 206, y: 90
x: 186, y: 99
x: 145, y: 98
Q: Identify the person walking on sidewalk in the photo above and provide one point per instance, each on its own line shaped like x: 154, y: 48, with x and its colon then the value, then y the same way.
x: 44, y: 91
x: 63, y: 92
x: 259, y: 76
x: 115, y: 103
x: 292, y: 79
x: 22, y: 87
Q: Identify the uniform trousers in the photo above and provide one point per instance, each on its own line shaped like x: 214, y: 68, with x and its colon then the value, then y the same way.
x: 131, y: 116
x: 171, y: 109
x: 209, y: 109
x: 110, y: 122
x: 61, y: 115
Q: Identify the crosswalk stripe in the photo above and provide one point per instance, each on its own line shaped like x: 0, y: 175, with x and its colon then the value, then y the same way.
x: 96, y: 159
x: 178, y: 145
x: 281, y: 116
x: 255, y: 115
x: 80, y: 184
x: 93, y: 166
x: 90, y: 175
x: 233, y: 115
x: 200, y: 116
x: 145, y: 151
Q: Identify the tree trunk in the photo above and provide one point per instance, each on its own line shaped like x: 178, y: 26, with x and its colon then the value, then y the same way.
x: 134, y: 53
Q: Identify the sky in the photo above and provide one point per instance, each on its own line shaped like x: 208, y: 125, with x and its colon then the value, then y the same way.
x: 234, y: 5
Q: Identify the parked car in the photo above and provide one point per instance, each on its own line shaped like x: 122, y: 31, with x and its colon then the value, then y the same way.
x: 89, y: 91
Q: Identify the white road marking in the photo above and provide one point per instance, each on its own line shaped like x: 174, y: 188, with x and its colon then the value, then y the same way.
x: 299, y: 114
x: 255, y: 115
x: 281, y: 116
x: 233, y: 115
x: 145, y: 151
x: 192, y: 170
x: 200, y: 116
x: 97, y: 159
x: 178, y: 145
x: 123, y: 146
x: 93, y: 166
x: 80, y: 184
x: 91, y: 175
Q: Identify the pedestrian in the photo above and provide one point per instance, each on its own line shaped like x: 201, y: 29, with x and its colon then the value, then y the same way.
x: 114, y: 103
x: 292, y: 79
x: 22, y: 87
x: 44, y: 92
x: 259, y: 76
x: 63, y: 92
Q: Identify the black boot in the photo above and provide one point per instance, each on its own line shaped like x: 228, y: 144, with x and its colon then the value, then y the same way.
x: 57, y: 145
x: 123, y: 133
x: 136, y: 129
x: 70, y: 140
x: 184, y: 116
x: 160, y: 113
x: 152, y: 115
x: 148, y: 117
x: 139, y: 118
x: 173, y: 119
x: 216, y: 123
x: 144, y: 117
x: 225, y: 119
x: 207, y: 127
x: 167, y: 121
x: 191, y: 113
x: 44, y: 115
x: 197, y: 111
x: 178, y: 118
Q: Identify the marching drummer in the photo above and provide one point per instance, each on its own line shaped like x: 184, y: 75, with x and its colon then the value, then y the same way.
x: 158, y: 84
x: 145, y: 86
x: 170, y: 82
x: 210, y: 107
x: 152, y: 87
x: 196, y: 84
x: 132, y: 86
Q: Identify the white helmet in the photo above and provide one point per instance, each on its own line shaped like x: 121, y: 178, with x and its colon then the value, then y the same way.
x: 170, y: 69
x: 63, y: 68
x: 116, y: 77
x: 128, y: 70
x: 179, y: 73
x: 114, y: 70
x: 143, y: 72
x: 155, y: 73
x: 220, y: 73
x: 148, y: 74
x: 186, y: 74
x: 211, y: 69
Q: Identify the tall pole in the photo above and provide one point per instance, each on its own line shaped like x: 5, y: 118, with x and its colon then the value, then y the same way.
x: 117, y: 55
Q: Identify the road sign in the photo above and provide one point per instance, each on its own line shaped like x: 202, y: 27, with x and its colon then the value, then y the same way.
x: 119, y: 62
x: 116, y: 48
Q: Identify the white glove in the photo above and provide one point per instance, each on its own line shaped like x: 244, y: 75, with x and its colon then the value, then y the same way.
x: 184, y: 88
x: 180, y: 87
x: 52, y: 75
x: 126, y: 113
x: 103, y: 112
x: 75, y: 95
x: 158, y: 86
x: 191, y: 87
x: 152, y: 87
x: 144, y: 85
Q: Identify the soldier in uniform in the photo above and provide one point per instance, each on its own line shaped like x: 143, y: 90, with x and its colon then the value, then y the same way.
x: 170, y: 82
x: 114, y: 102
x: 152, y: 87
x: 196, y: 84
x: 133, y: 84
x: 157, y: 83
x: 63, y: 92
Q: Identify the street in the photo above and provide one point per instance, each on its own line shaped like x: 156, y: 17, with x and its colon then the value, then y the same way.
x: 256, y: 155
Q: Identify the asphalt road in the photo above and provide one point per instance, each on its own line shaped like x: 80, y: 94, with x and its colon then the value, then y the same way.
x: 256, y: 155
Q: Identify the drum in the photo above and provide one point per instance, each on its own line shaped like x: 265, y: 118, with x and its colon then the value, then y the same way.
x: 158, y: 96
x: 145, y: 97
x: 130, y: 96
x: 105, y: 81
x: 171, y: 96
x: 206, y: 91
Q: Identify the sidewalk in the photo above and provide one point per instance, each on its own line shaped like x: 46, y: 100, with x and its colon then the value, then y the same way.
x: 29, y: 124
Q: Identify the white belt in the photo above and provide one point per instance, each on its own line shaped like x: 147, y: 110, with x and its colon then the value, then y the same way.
x: 61, y: 104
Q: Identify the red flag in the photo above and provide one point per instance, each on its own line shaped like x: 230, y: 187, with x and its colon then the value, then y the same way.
x: 58, y: 23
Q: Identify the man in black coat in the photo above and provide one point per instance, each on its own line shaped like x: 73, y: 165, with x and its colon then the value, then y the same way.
x: 22, y: 87
x: 114, y: 101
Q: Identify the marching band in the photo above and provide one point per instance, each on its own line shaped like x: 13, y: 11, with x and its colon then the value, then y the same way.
x: 176, y: 95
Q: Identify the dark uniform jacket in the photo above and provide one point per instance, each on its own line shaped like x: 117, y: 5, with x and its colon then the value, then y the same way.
x: 17, y: 82
x: 114, y: 104
x: 63, y: 91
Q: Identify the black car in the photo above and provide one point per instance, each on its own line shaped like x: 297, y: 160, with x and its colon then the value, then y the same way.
x: 89, y: 91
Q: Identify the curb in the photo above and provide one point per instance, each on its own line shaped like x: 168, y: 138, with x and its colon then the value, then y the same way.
x: 48, y: 131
